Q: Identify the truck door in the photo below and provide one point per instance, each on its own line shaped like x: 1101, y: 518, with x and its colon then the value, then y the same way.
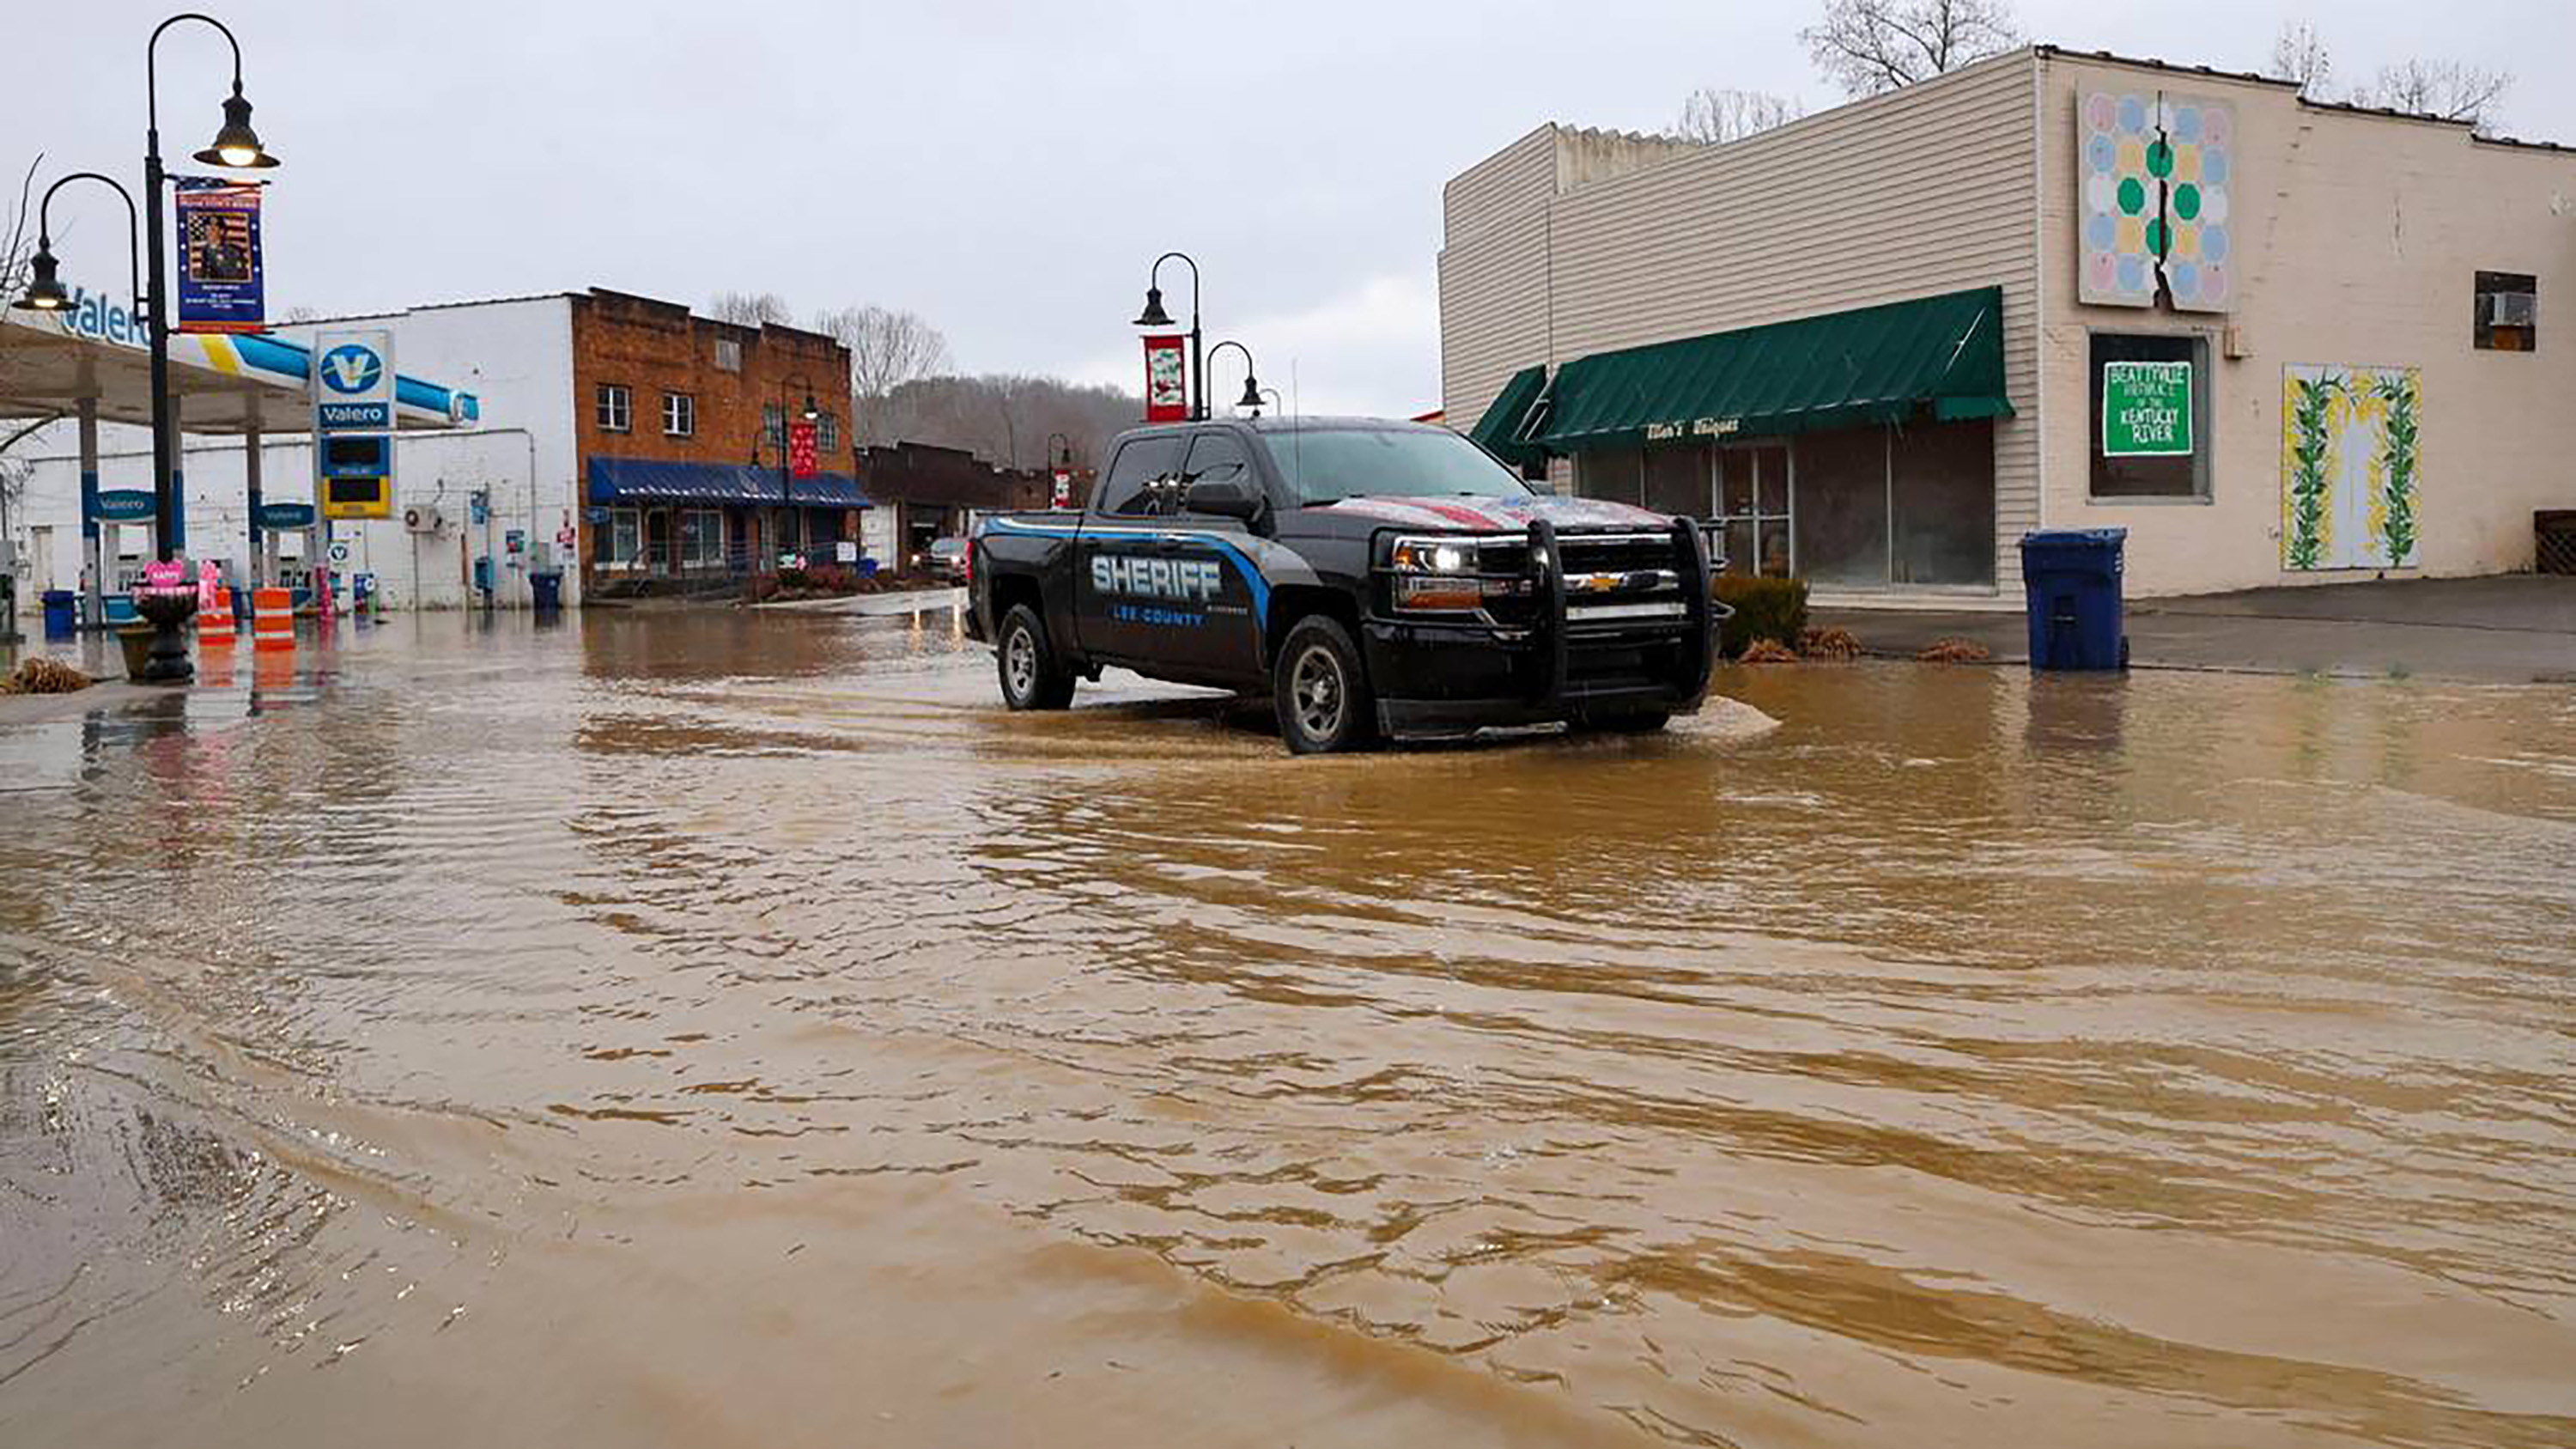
x: 1115, y: 607
x: 1213, y: 574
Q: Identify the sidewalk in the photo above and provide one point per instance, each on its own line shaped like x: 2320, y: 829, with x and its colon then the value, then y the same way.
x: 910, y: 601
x: 2509, y: 629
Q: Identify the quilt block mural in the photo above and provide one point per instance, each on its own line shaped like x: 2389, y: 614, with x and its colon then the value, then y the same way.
x: 2156, y: 181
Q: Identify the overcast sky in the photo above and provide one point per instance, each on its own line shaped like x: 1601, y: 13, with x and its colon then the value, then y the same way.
x: 1006, y: 168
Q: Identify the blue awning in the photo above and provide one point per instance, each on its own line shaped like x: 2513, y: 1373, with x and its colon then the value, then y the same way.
x: 645, y: 480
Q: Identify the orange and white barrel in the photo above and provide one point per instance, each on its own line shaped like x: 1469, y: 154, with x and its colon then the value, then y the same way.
x: 215, y: 624
x: 272, y: 619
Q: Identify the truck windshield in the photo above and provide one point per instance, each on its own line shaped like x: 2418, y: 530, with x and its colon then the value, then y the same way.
x: 1323, y: 465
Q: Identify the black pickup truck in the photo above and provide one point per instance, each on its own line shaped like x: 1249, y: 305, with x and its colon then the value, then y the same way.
x: 1374, y: 578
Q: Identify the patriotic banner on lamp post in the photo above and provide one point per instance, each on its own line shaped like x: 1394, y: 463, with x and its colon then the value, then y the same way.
x: 221, y: 283
x: 1167, y: 390
x: 800, y: 450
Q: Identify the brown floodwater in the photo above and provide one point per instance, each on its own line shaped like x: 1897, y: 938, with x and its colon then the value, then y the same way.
x: 723, y: 1030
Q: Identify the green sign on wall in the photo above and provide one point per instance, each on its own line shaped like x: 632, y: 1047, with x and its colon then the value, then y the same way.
x: 2146, y: 409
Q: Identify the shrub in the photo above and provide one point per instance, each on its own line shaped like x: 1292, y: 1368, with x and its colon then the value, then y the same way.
x: 1765, y: 651
x: 1954, y: 651
x: 1773, y: 609
x: 1829, y: 643
x: 44, y: 676
x: 761, y: 589
x: 830, y: 578
x: 791, y: 578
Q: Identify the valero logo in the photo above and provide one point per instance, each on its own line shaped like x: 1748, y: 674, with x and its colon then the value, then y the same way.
x: 351, y: 368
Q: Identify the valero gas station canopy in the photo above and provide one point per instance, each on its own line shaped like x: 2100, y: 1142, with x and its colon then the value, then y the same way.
x: 225, y: 383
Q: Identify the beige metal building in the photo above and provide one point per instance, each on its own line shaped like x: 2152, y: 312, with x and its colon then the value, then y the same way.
x: 2277, y: 341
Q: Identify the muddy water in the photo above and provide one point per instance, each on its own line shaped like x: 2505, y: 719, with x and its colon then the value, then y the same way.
x: 707, y: 1030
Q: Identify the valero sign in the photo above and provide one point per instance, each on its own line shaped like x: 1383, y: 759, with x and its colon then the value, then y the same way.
x: 123, y: 505
x: 353, y: 423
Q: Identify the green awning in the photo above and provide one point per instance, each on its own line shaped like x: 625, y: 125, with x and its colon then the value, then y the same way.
x: 1939, y: 357
x: 1499, y: 429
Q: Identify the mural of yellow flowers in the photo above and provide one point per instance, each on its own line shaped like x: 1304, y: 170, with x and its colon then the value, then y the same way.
x: 2351, y: 458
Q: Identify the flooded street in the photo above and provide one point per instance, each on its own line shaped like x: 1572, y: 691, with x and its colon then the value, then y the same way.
x: 717, y: 1029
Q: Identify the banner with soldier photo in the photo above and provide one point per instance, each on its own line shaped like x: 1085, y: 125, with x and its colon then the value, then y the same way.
x: 221, y: 287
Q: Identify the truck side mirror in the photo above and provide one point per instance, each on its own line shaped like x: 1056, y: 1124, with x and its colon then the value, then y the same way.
x: 1224, y: 498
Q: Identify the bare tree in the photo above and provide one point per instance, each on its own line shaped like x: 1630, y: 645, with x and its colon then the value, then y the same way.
x: 888, y: 348
x: 2444, y: 88
x: 2299, y: 53
x: 1715, y: 117
x: 750, y: 309
x: 1869, y: 46
x: 17, y: 240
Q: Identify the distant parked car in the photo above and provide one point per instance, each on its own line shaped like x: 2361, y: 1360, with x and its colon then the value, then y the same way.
x: 944, y: 559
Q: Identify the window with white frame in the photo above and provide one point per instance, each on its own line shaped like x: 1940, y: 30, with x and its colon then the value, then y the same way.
x: 702, y: 539
x: 772, y: 422
x: 728, y: 354
x: 827, y: 433
x: 621, y: 538
x: 679, y: 415
x: 616, y: 407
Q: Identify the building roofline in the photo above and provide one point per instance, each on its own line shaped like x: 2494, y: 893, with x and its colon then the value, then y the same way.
x: 2307, y: 102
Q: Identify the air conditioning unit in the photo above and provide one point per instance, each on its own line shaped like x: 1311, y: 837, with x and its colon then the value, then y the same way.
x: 421, y: 518
x: 2511, y: 309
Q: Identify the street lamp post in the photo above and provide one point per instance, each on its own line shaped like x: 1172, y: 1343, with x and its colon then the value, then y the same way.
x: 810, y: 413
x: 46, y: 293
x: 1155, y: 316
x: 1251, y: 385
x: 235, y: 146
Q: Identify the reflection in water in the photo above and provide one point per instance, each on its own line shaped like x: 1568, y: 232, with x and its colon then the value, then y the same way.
x: 716, y: 1028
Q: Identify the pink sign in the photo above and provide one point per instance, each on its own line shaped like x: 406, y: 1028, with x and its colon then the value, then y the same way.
x: 166, y: 576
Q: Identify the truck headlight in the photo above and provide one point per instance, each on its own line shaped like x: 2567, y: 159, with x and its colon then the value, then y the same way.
x: 1432, y: 556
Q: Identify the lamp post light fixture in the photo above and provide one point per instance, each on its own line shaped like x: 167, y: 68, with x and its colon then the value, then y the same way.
x: 237, y: 147
x: 45, y: 291
x: 1251, y: 385
x: 1155, y: 316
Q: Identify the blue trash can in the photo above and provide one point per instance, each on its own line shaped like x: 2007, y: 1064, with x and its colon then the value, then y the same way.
x: 62, y: 613
x: 545, y: 591
x: 2071, y: 584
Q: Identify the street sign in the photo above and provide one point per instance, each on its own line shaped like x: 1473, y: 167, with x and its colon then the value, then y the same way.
x: 1167, y: 394
x: 514, y: 540
x: 2146, y: 409
x: 478, y: 507
x: 339, y: 553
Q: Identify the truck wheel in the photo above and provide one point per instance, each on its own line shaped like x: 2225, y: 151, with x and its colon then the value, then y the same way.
x: 1031, y: 677
x: 1322, y: 694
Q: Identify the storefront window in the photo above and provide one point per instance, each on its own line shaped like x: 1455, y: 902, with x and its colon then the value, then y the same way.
x: 1678, y: 481
x: 2182, y: 475
x: 701, y: 539
x: 1842, y: 507
x: 620, y: 538
x: 1618, y: 474
x: 1942, y: 503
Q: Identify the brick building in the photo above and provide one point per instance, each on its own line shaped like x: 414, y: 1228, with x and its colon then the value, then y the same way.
x: 679, y: 426
x: 923, y: 492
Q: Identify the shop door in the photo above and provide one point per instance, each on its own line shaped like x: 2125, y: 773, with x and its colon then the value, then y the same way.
x: 1753, y: 495
x: 657, y: 541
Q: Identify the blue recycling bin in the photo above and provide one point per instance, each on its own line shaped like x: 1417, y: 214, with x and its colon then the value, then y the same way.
x: 62, y: 613
x: 2071, y: 586
x: 545, y: 591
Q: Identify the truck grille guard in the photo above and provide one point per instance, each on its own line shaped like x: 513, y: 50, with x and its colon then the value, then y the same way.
x: 1701, y: 615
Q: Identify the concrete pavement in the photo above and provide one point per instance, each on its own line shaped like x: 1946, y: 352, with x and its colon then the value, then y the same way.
x: 2514, y: 628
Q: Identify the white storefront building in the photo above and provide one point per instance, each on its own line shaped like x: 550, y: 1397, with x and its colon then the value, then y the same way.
x: 1884, y: 341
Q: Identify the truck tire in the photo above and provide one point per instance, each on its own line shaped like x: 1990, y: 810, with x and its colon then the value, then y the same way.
x: 1321, y: 690
x: 1032, y: 678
